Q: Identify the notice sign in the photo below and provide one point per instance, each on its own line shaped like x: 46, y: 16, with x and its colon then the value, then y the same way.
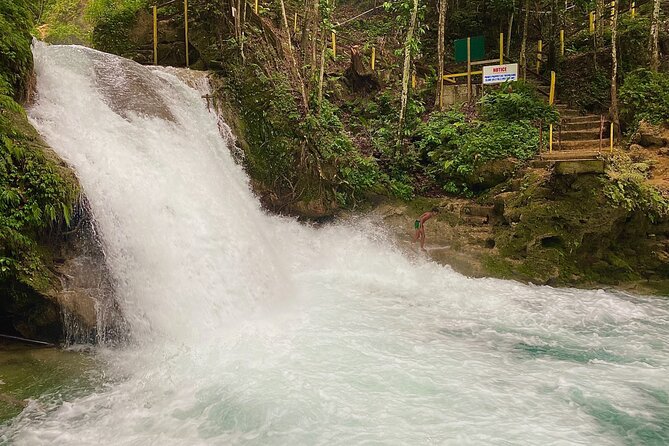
x: 496, y: 74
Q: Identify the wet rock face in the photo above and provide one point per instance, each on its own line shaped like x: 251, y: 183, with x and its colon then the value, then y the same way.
x: 84, y: 291
x: 79, y: 306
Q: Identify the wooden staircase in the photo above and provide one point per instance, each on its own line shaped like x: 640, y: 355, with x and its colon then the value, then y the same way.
x: 577, y: 137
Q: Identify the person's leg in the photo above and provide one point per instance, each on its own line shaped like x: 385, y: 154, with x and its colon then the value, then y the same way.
x: 422, y: 238
x: 416, y: 236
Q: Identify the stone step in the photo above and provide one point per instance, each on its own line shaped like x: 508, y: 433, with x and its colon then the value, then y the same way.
x: 572, y: 119
x: 571, y: 113
x: 474, y: 220
x: 576, y: 135
x: 582, y: 144
x: 573, y: 155
x: 475, y: 210
x: 580, y: 166
x: 585, y: 125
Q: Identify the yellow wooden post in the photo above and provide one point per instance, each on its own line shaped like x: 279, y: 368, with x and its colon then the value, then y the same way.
x: 633, y: 9
x: 550, y: 138
x: 611, y: 138
x: 295, y: 24
x: 469, y: 70
x: 539, y: 55
x: 592, y: 22
x: 186, y: 30
x: 613, y: 8
x: 256, y: 7
x: 155, y: 35
x: 334, y: 45
x: 373, y: 57
x: 413, y: 80
x: 501, y: 48
x: 551, y: 96
x: 562, y: 42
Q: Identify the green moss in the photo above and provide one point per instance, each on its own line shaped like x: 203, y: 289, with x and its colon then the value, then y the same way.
x: 37, y: 191
x: 565, y: 230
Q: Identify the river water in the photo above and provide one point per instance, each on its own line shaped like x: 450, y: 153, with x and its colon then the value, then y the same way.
x: 252, y: 329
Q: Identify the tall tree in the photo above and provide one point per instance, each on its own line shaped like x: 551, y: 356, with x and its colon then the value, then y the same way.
x: 510, y: 31
x: 406, y: 70
x: 599, y: 28
x: 306, y: 26
x: 613, y: 111
x: 655, y: 37
x: 522, y: 59
x: 440, y: 52
x: 286, y: 27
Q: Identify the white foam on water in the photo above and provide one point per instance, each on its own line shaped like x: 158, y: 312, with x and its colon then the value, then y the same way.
x: 254, y: 329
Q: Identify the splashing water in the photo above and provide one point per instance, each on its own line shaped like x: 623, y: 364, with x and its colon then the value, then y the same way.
x: 252, y: 329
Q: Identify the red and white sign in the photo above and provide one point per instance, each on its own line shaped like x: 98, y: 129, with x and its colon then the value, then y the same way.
x: 497, y: 74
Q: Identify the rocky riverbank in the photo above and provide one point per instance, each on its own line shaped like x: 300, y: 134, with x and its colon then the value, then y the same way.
x: 548, y: 228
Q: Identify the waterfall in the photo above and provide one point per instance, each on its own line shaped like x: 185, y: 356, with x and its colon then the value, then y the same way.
x: 248, y: 328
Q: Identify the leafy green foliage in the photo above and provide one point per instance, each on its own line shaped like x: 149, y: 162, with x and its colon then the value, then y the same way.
x: 514, y: 102
x: 645, y: 95
x: 34, y: 192
x: 16, y: 60
x: 403, y: 10
x: 64, y: 21
x: 313, y: 157
x: 629, y: 189
x: 633, y: 37
x: 356, y: 174
x: 458, y: 148
x: 112, y: 21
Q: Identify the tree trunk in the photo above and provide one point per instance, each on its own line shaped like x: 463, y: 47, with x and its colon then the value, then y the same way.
x: 357, y: 77
x: 314, y: 41
x: 655, y: 37
x: 246, y: 7
x: 522, y: 59
x: 440, y: 53
x: 304, y: 39
x: 508, y: 34
x: 321, y: 74
x: 599, y: 28
x: 285, y: 25
x: 406, y: 71
x: 615, y: 117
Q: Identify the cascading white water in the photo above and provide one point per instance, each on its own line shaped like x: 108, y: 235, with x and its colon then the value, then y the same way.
x: 252, y: 329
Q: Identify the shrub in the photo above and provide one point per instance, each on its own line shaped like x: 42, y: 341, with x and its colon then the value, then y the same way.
x: 16, y: 60
x: 112, y: 22
x: 633, y: 34
x: 457, y: 148
x: 516, y: 101
x: 355, y: 173
x: 34, y: 191
x: 629, y: 189
x: 65, y: 22
x: 645, y: 95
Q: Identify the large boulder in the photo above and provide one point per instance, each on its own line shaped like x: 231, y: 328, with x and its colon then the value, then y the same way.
x: 492, y: 173
x: 649, y: 135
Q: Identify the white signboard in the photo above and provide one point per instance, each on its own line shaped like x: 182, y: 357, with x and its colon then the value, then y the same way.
x: 496, y: 74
